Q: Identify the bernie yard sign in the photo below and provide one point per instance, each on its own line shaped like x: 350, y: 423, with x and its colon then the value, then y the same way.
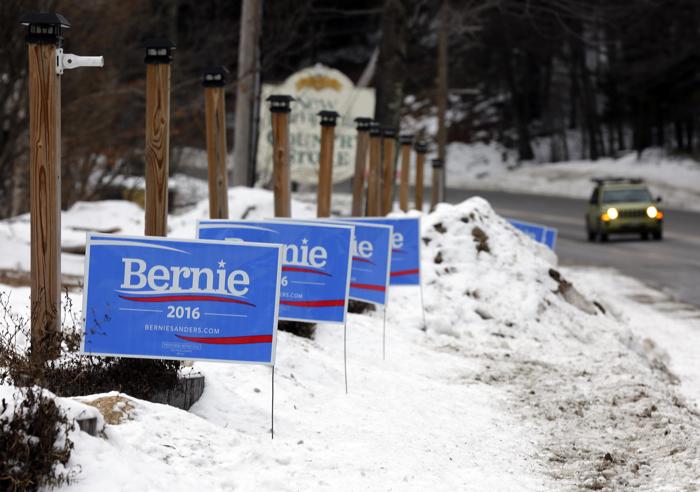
x: 316, y: 263
x: 164, y: 298
x: 371, y: 259
x: 405, y: 247
x: 371, y: 262
x: 539, y: 233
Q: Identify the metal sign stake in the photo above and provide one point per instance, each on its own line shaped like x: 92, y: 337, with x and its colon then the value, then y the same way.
x: 422, y: 306
x: 384, y: 336
x: 345, y: 354
x: 272, y: 407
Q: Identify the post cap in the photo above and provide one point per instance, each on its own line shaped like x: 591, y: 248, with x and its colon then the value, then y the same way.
x: 437, y: 163
x: 280, y: 103
x: 389, y: 133
x: 158, y: 50
x: 363, y: 124
x: 406, y: 139
x: 44, y: 27
x: 374, y: 130
x: 214, y: 76
x: 328, y: 118
x: 421, y: 147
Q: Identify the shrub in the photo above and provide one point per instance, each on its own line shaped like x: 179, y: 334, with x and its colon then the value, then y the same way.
x: 34, y: 443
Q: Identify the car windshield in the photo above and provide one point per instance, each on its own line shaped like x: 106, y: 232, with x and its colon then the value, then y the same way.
x: 626, y: 195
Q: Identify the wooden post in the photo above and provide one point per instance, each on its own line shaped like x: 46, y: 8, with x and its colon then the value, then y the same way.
x: 406, y: 141
x: 325, y: 171
x: 358, y: 181
x: 388, y: 157
x: 215, y: 109
x: 435, y: 195
x: 158, y: 58
x: 279, y: 109
x: 374, y: 175
x: 421, y: 150
x: 43, y: 39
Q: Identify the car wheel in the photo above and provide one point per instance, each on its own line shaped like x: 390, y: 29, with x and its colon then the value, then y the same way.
x: 644, y: 236
x: 591, y: 235
x: 604, y: 237
x: 658, y: 235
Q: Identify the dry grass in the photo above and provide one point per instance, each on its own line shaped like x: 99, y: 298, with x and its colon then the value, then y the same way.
x: 115, y: 409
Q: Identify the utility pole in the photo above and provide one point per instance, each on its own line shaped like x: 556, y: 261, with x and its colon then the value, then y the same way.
x: 158, y: 58
x: 214, y: 79
x: 47, y: 62
x: 442, y: 94
x: 246, y: 90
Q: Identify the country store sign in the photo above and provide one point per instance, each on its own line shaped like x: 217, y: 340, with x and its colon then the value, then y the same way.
x: 314, y: 89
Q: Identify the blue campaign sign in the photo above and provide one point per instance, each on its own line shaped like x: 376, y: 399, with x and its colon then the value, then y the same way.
x: 539, y: 233
x: 405, y: 248
x: 316, y: 263
x: 161, y: 298
x: 371, y: 260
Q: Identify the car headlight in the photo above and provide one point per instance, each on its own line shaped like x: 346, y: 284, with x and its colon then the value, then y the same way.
x: 612, y: 213
x: 652, y: 212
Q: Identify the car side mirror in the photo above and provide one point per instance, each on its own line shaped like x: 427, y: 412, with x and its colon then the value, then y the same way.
x: 658, y: 199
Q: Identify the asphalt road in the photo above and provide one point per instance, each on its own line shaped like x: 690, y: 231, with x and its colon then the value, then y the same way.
x: 673, y: 264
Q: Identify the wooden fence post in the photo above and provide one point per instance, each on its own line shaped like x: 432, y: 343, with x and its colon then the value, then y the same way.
x: 406, y: 141
x: 388, y: 157
x: 214, y: 79
x: 279, y: 109
x: 436, y: 185
x: 375, y: 167
x: 47, y: 61
x: 158, y: 58
x: 43, y: 40
x: 358, y: 181
x: 325, y: 172
x: 421, y: 150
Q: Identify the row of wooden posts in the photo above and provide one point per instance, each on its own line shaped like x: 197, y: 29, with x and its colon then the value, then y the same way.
x: 373, y: 144
x: 44, y: 39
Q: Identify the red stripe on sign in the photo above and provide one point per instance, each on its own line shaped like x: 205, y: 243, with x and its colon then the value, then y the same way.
x: 395, y: 250
x: 228, y: 340
x: 186, y: 298
x: 330, y: 303
x: 363, y: 260
x: 401, y: 273
x: 304, y: 270
x: 368, y: 287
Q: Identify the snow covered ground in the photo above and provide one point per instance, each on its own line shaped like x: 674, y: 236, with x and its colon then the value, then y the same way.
x: 519, y: 381
x: 482, y: 166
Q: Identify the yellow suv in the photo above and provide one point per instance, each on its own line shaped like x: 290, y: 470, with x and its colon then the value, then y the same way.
x: 620, y: 205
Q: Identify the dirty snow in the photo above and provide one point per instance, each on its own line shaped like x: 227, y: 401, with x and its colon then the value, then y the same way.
x: 520, y: 381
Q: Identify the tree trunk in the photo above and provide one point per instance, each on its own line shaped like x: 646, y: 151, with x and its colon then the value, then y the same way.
x: 391, y: 64
x: 245, y: 90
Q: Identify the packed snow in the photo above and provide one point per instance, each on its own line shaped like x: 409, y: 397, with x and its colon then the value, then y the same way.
x: 520, y: 380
